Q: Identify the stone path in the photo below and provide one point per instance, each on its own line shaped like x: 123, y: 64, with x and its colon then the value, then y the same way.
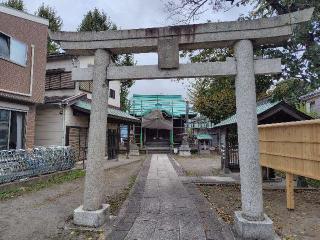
x: 167, y: 212
x: 165, y: 209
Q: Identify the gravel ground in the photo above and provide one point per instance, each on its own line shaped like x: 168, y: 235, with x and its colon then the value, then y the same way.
x: 200, y: 165
x: 40, y: 215
x: 301, y: 224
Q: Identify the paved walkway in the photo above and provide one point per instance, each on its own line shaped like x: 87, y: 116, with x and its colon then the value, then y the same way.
x: 165, y: 209
x: 167, y: 212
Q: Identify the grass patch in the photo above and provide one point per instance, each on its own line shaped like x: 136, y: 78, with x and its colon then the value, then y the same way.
x: 78, y: 234
x: 191, y: 174
x: 117, y: 200
x: 33, y: 187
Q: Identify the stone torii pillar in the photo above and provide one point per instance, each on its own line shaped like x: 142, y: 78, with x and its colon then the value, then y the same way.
x: 251, y: 222
x: 94, y: 212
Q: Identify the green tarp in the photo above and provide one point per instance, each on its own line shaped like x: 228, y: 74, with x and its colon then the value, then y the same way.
x: 169, y: 104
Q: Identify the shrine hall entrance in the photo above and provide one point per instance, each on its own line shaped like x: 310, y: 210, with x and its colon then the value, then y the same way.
x: 157, y: 135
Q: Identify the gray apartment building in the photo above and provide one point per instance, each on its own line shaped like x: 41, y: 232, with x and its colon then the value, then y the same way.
x: 312, y: 101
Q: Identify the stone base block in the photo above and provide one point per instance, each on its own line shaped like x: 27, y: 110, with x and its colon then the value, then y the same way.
x: 91, y: 218
x: 246, y: 229
x: 184, y: 150
x: 184, y: 153
x: 134, y: 152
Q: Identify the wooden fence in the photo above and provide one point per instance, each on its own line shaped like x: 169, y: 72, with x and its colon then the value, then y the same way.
x: 230, y: 157
x: 293, y: 148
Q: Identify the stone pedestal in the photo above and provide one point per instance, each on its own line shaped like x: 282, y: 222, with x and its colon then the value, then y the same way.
x: 95, y: 218
x: 184, y: 150
x: 262, y: 229
x: 134, y: 150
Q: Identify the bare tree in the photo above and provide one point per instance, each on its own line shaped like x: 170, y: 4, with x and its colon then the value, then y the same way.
x: 185, y: 11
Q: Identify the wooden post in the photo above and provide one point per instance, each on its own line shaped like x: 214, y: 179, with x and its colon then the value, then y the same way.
x: 141, y: 129
x: 290, y: 191
x: 227, y: 153
x: 187, y: 117
x: 171, y: 131
x: 128, y: 141
x: 141, y: 137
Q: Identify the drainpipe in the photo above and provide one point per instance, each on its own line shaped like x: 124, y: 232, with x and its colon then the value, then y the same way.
x: 62, y: 108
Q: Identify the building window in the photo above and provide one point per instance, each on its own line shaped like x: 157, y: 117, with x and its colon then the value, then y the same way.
x: 11, y: 129
x: 4, y: 129
x: 4, y: 46
x: 313, y: 106
x: 59, y: 79
x: 112, y: 93
x: 13, y: 50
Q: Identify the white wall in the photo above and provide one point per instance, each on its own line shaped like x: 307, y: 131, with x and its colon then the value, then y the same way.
x: 115, y: 85
x: 49, y: 126
x: 316, y: 109
x: 75, y: 121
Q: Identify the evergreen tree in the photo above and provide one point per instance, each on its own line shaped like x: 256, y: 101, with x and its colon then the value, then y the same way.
x: 55, y: 24
x: 125, y: 60
x: 95, y: 20
x: 17, y: 4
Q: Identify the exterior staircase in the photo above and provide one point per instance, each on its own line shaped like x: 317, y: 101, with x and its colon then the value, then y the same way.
x: 158, y: 146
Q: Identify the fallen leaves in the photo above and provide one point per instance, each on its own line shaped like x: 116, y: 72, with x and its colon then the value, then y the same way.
x: 291, y: 225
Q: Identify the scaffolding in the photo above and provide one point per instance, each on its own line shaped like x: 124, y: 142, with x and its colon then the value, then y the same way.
x: 173, y: 107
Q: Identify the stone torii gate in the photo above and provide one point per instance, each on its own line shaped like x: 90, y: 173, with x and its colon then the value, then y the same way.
x: 243, y: 36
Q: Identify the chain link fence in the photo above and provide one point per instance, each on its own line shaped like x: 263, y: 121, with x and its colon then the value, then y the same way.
x: 18, y: 164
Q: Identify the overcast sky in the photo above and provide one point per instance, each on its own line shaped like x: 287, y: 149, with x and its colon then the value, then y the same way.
x: 128, y: 14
